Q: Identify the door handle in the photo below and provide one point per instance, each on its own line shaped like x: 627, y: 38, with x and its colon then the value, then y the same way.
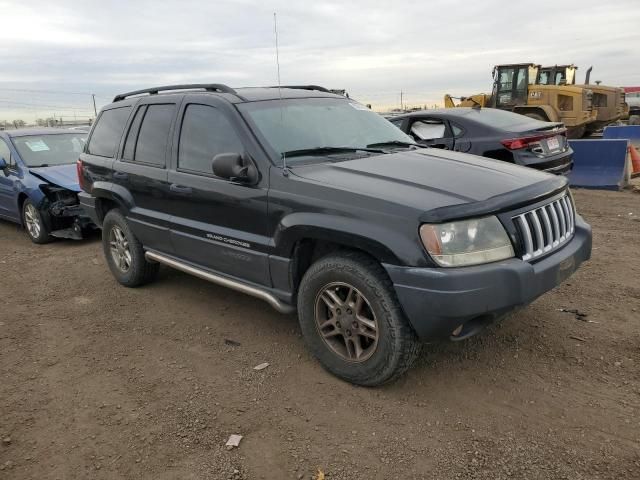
x: 120, y: 175
x: 181, y: 189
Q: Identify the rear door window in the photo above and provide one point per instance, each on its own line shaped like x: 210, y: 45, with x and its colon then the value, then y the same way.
x: 205, y: 133
x: 428, y: 129
x: 151, y: 146
x: 107, y: 132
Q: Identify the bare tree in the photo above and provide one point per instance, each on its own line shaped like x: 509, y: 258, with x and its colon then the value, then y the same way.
x: 19, y: 123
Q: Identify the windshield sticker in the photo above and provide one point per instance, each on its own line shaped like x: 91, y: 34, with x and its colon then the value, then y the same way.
x: 358, y: 106
x: 37, y: 146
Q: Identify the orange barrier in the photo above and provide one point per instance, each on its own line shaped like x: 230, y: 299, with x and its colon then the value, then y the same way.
x: 635, y: 160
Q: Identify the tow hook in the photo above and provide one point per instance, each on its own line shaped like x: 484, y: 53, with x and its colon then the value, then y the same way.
x: 470, y: 328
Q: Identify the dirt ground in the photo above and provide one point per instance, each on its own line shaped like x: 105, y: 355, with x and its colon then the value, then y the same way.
x: 100, y: 382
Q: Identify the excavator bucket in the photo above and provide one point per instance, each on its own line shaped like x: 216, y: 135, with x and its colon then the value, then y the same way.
x: 600, y: 164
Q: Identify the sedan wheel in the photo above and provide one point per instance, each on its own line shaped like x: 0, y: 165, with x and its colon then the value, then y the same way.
x: 33, y: 221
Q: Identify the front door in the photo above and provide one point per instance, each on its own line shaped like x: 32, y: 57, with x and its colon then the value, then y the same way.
x: 218, y: 224
x: 8, y: 200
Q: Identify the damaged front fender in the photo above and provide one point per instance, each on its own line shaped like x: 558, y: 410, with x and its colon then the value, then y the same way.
x: 62, y: 212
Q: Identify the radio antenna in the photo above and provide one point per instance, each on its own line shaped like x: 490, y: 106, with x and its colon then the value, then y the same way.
x: 285, y: 170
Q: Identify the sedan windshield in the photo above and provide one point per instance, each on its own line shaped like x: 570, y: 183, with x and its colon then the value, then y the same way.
x: 320, y: 126
x: 50, y: 149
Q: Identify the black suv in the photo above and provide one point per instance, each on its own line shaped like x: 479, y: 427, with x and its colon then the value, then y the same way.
x: 314, y: 203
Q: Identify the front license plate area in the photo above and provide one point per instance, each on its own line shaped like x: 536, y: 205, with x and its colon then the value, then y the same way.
x: 565, y: 269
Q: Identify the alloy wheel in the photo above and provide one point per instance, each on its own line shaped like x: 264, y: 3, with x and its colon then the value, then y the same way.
x: 346, y: 322
x: 120, y: 252
x: 32, y: 220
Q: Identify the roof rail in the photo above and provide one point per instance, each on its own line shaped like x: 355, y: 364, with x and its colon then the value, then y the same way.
x: 304, y: 87
x: 209, y: 87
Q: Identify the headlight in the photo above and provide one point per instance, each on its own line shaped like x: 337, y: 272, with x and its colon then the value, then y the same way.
x: 467, y: 242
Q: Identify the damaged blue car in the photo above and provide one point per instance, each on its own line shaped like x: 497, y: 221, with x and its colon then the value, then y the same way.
x: 39, y: 182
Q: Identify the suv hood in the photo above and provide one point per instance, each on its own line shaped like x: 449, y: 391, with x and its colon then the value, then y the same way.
x: 65, y: 176
x: 447, y: 184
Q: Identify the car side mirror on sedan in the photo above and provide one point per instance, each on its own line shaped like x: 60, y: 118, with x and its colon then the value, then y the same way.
x: 3, y: 164
x: 235, y: 167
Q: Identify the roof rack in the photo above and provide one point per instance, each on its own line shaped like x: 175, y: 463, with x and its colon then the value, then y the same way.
x: 209, y: 87
x: 304, y: 87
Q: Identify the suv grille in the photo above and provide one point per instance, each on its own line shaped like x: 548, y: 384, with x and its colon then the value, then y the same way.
x: 546, y: 228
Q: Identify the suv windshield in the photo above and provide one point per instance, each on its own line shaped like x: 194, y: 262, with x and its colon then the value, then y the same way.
x: 321, y: 124
x: 51, y: 149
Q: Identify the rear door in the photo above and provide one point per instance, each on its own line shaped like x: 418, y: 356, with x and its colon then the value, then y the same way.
x: 432, y: 132
x: 8, y: 200
x: 141, y: 170
x: 217, y: 224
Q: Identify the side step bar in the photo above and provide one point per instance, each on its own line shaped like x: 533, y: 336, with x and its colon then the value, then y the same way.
x: 220, y: 280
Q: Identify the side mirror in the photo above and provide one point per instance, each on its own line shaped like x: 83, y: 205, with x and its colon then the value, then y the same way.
x: 235, y: 167
x: 3, y: 165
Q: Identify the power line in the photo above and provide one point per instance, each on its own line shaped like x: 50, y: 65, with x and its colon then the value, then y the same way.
x: 42, y: 91
x: 8, y: 100
x: 36, y: 106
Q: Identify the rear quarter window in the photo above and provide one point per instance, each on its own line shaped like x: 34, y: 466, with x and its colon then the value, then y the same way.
x: 107, y: 132
x: 501, y: 119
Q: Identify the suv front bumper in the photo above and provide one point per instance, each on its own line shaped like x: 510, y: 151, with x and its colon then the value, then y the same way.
x: 438, y: 300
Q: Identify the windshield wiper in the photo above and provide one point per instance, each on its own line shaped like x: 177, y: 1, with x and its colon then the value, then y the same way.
x: 323, y: 150
x: 39, y: 166
x: 393, y: 143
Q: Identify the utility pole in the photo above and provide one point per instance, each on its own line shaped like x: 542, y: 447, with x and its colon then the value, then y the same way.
x: 95, y: 110
x: 401, y: 107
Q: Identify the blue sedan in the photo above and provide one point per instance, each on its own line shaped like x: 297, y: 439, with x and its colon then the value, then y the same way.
x: 39, y: 183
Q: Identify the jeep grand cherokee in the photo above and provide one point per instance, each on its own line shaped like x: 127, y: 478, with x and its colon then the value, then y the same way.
x: 312, y: 202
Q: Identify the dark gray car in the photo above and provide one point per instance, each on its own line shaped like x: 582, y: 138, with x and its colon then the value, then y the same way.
x: 492, y: 133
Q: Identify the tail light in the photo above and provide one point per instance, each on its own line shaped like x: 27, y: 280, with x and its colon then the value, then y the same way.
x: 80, y: 172
x: 524, y: 142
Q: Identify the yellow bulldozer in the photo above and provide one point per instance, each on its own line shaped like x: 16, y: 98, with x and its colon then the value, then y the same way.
x: 609, y: 102
x: 516, y: 88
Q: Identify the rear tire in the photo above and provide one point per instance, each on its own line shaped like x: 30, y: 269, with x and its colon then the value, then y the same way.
x: 34, y: 223
x: 352, y: 322
x: 124, y: 253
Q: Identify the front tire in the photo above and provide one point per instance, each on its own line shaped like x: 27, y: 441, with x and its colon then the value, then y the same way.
x: 124, y: 252
x: 352, y: 322
x: 34, y: 223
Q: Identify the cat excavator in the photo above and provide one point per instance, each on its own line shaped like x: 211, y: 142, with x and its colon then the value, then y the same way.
x: 609, y: 102
x: 516, y: 88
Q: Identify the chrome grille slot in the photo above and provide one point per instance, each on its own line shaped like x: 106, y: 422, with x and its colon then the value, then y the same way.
x: 546, y: 228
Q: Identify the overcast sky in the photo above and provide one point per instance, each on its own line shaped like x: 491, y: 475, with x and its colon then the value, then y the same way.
x: 374, y: 49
